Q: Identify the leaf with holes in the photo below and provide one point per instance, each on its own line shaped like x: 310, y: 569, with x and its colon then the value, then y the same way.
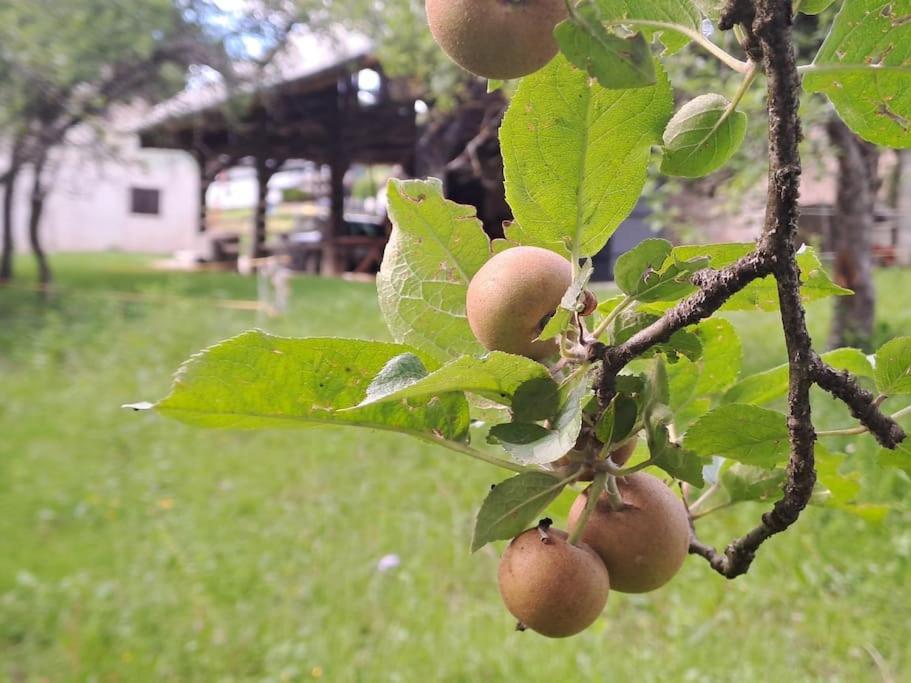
x: 435, y: 248
x: 664, y: 19
x: 864, y: 68
x: 616, y: 61
x: 513, y: 506
x: 560, y: 134
x: 702, y: 137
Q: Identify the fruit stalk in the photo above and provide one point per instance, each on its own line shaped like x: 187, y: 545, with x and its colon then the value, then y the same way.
x: 597, y: 486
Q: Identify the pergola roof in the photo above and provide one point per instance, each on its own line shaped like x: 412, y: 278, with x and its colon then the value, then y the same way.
x: 303, y: 105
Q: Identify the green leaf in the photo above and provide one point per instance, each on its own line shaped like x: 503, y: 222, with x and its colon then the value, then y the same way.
x: 435, y: 248
x: 744, y: 483
x: 762, y: 294
x: 399, y: 373
x: 772, y: 384
x: 672, y: 12
x: 745, y: 433
x: 722, y: 355
x: 496, y: 376
x: 532, y: 444
x: 569, y: 304
x: 494, y: 84
x: 256, y: 380
x: 864, y: 68
x: 681, y: 343
x: 893, y: 367
x: 633, y: 266
x: 512, y: 506
x: 536, y: 399
x: 682, y: 376
x: 842, y: 488
x: 615, y: 61
x: 815, y: 6
x: 558, y: 138
x: 680, y: 463
x: 854, y: 361
x: 900, y: 457
x: 617, y: 421
x: 702, y: 137
x: 649, y: 272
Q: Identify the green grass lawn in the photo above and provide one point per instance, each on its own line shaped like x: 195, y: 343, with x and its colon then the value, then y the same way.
x: 137, y: 549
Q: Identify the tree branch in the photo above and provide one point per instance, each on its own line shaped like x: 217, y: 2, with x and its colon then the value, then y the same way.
x: 862, y: 403
x: 772, y: 27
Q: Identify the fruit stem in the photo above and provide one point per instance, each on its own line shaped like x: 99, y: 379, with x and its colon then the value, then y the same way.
x: 613, y: 493
x: 696, y: 36
x: 853, y: 431
x: 604, y: 324
x: 465, y: 449
x: 594, y: 492
x: 700, y: 501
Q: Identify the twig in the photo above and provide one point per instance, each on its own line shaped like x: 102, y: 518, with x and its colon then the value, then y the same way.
x: 854, y: 431
x: 864, y: 406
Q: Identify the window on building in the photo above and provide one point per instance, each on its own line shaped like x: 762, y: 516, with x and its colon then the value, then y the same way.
x: 145, y: 201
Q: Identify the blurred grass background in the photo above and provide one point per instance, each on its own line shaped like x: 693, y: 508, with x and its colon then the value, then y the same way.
x: 137, y: 549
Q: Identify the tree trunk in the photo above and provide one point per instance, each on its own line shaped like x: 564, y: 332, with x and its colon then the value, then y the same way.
x: 39, y: 192
x: 263, y: 175
x: 8, y: 244
x: 851, y: 236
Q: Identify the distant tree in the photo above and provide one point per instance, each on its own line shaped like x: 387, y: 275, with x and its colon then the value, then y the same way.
x: 67, y: 63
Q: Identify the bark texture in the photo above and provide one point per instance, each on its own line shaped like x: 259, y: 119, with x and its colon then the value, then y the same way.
x: 851, y: 236
x: 766, y: 27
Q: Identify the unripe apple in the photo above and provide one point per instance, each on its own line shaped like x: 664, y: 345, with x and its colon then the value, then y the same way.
x: 644, y: 543
x: 551, y: 586
x: 513, y: 295
x: 496, y: 38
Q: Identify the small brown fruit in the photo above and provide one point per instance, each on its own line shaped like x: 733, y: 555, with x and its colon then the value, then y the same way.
x: 512, y: 296
x: 551, y: 586
x: 496, y: 38
x: 644, y: 543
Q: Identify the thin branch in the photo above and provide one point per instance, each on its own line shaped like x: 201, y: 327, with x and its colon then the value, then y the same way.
x: 854, y: 431
x: 863, y: 404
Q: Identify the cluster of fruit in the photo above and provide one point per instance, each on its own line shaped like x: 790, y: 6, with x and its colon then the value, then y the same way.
x: 636, y: 537
x: 633, y: 542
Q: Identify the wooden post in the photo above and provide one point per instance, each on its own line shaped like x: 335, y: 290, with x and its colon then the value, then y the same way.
x: 205, y: 181
x: 264, y: 173
x: 338, y: 166
x: 336, y: 227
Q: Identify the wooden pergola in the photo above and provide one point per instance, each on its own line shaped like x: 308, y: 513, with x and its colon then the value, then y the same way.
x: 319, y: 115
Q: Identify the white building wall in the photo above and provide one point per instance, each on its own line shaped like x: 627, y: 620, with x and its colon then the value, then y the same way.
x: 89, y: 207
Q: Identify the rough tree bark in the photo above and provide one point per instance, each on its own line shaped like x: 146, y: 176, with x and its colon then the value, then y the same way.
x: 851, y: 236
x: 8, y: 183
x: 8, y: 244
x: 38, y: 195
